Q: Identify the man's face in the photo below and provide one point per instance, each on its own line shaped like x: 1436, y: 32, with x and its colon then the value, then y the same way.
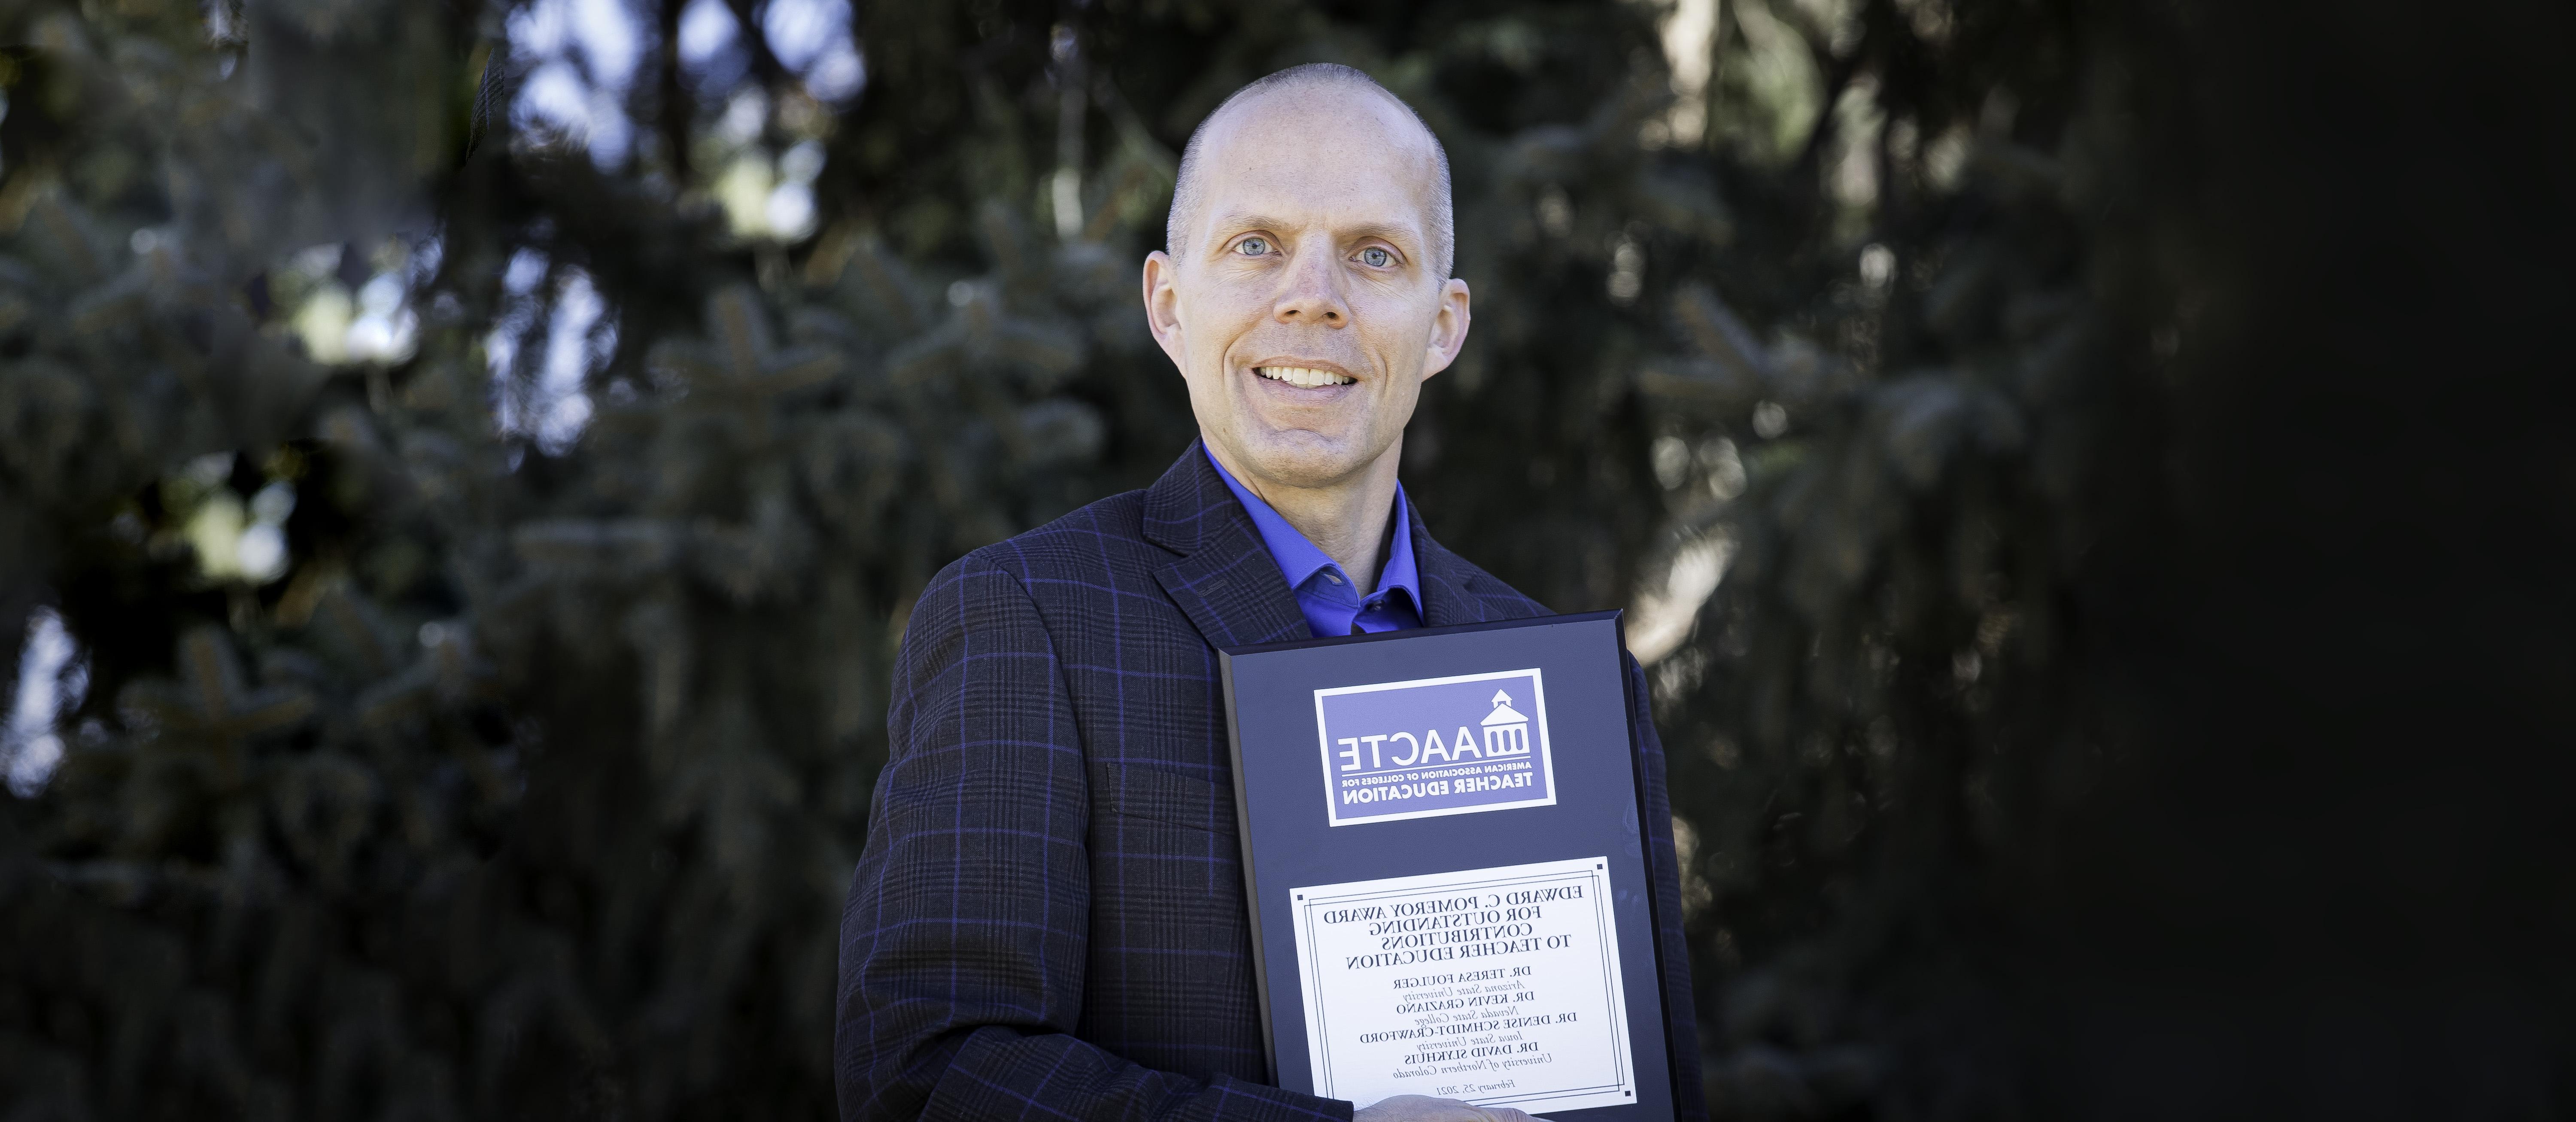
x: 1304, y: 308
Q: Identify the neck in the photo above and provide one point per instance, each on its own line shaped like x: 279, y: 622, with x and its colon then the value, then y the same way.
x: 1346, y: 519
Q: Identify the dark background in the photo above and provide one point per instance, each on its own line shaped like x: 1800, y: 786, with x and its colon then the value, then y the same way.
x: 2086, y: 477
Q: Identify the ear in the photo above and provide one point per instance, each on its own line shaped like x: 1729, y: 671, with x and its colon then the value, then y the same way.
x: 1163, y: 307
x: 1448, y: 328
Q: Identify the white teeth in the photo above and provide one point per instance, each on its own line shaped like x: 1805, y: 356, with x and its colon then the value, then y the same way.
x: 1307, y: 377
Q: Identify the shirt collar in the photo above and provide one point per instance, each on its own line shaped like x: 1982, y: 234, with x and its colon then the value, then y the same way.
x: 1299, y: 559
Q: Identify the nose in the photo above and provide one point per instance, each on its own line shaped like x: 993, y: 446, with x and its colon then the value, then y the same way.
x: 1310, y: 292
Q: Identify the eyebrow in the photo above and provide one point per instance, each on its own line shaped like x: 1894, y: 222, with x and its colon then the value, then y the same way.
x: 1403, y: 238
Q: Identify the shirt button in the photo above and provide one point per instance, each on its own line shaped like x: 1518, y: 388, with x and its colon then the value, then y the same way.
x: 1332, y: 578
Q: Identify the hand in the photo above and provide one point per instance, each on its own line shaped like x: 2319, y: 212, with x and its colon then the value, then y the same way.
x: 1424, y: 1108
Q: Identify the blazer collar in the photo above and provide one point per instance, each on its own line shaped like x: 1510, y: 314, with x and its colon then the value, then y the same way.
x: 1225, y: 579
x: 1228, y: 583
x: 1450, y: 592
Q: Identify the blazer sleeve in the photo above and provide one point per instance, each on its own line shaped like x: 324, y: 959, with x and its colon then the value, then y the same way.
x: 964, y: 940
x: 1681, y: 1017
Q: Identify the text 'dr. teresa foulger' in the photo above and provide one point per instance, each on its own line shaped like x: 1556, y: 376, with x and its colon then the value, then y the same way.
x: 1435, y: 746
x: 1496, y: 986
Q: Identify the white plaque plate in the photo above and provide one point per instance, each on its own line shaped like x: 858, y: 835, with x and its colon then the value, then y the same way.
x: 1496, y: 986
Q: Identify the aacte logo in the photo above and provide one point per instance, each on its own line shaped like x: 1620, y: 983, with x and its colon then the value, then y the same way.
x: 1435, y: 746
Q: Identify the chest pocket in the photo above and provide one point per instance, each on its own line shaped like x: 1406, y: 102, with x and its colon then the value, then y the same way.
x: 1163, y: 797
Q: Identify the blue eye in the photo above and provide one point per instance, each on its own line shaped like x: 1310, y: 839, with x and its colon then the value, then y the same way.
x: 1376, y: 258
x: 1252, y: 247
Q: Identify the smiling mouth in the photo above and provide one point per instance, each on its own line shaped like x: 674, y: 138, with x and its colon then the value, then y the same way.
x: 1306, y: 377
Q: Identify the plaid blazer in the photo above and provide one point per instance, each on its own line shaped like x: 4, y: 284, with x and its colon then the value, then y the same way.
x: 1048, y: 920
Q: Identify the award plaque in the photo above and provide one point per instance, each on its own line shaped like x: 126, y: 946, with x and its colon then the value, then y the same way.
x: 1442, y: 853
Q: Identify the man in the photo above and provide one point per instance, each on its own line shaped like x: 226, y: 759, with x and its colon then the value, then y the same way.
x: 1048, y: 920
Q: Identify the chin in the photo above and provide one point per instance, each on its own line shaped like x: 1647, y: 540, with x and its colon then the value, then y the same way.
x: 1308, y: 462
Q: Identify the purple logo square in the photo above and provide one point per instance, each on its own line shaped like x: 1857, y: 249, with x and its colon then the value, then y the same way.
x: 1435, y: 746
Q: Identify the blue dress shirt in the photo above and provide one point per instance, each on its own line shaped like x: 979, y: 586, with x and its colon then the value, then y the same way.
x: 1324, y: 592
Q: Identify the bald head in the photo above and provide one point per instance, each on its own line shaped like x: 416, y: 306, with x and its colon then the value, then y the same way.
x: 1322, y: 91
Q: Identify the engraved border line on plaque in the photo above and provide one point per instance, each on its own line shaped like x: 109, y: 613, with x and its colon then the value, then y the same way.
x: 1614, y: 1001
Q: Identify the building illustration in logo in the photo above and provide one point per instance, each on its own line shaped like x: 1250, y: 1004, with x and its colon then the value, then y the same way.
x: 1506, y: 731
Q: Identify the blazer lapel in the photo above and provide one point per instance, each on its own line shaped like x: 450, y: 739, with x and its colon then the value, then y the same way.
x: 1225, y: 580
x: 1448, y: 593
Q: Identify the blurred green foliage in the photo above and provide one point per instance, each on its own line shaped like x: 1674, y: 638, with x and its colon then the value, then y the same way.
x: 481, y: 514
